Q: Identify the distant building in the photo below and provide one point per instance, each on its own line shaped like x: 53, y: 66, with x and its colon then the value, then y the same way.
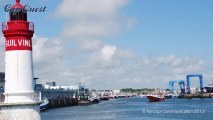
x: 74, y: 87
x: 51, y: 83
x: 116, y: 91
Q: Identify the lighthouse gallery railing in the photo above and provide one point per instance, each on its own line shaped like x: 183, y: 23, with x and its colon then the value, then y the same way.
x: 34, y: 96
x: 29, y: 25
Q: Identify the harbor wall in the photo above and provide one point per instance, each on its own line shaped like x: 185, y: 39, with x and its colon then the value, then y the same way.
x: 189, y: 96
x: 60, y: 98
x: 62, y: 102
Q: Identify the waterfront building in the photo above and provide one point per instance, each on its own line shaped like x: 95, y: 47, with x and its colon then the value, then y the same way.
x: 51, y: 83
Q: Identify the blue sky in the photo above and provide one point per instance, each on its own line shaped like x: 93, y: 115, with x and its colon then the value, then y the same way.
x: 135, y: 41
x: 170, y: 27
x: 163, y: 27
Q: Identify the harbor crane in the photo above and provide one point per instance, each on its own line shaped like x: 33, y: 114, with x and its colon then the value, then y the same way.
x: 180, y: 82
x: 200, y: 76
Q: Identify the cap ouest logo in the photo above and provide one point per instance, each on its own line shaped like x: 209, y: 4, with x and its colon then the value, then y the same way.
x: 26, y: 8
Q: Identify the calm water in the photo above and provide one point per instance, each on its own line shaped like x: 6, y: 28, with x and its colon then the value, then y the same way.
x: 136, y: 109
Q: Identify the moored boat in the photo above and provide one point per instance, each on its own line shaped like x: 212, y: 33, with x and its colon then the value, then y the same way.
x: 155, y: 98
x: 94, y: 99
x: 175, y: 95
x: 168, y: 96
x: 44, y: 105
x: 84, y: 102
x: 104, y: 97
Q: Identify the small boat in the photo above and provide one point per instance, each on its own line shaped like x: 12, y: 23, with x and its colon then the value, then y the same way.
x: 175, y: 96
x: 110, y: 97
x: 155, y: 98
x: 44, y: 104
x: 94, y: 99
x: 168, y: 96
x: 84, y: 102
x: 104, y: 97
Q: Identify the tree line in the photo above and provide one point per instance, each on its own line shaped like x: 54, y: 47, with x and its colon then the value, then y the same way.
x: 142, y: 91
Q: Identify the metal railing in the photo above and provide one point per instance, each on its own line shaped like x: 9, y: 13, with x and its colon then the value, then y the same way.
x: 20, y: 97
x: 4, y: 26
x: 30, y: 25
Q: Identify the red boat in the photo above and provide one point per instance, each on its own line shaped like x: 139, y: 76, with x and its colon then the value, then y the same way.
x: 155, y: 98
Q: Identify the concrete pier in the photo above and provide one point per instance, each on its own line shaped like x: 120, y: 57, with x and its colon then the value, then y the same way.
x: 20, y: 111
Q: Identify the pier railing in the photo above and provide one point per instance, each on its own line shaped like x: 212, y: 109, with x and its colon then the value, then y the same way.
x: 20, y: 97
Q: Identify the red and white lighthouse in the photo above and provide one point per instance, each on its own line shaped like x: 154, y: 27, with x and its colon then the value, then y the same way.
x: 19, y: 77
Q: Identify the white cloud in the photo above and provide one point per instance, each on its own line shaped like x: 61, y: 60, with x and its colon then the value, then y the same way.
x: 89, y: 8
x: 90, y: 28
x: 108, y: 52
x: 91, y: 45
x: 45, y: 49
x: 108, y: 67
x: 93, y: 19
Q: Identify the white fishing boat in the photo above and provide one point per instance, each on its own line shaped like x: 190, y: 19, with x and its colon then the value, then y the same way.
x: 44, y: 104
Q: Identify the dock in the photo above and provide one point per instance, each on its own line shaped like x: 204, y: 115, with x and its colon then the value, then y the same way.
x: 190, y: 96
